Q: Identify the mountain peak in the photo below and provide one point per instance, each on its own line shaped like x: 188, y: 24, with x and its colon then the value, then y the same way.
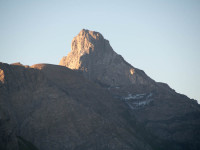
x: 55, y: 108
x: 86, y: 41
x: 93, y: 55
x: 91, y: 34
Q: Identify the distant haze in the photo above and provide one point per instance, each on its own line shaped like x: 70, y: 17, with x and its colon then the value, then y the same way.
x: 160, y: 37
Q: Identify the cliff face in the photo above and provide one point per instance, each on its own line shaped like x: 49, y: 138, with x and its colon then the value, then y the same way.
x: 93, y: 55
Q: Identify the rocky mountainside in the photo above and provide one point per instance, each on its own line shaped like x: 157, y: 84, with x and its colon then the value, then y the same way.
x: 94, y: 57
x: 94, y: 101
x: 92, y: 54
x: 169, y: 116
x: 55, y: 108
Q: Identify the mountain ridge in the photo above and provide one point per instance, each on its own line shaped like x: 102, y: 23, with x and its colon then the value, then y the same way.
x: 59, y: 111
x: 90, y: 51
x: 94, y: 57
x: 93, y: 100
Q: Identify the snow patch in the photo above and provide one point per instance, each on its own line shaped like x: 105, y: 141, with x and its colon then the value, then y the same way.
x: 135, y: 101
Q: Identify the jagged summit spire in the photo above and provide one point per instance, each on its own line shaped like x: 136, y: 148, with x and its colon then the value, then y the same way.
x: 90, y: 35
x: 92, y: 54
x: 86, y: 41
x: 85, y: 32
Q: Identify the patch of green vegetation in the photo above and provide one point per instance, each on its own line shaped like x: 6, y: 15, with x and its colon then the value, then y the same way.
x: 25, y: 145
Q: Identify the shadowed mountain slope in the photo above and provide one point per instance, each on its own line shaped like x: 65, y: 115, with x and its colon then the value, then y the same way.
x: 54, y: 107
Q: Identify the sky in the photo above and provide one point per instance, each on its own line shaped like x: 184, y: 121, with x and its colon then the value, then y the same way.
x: 161, y: 37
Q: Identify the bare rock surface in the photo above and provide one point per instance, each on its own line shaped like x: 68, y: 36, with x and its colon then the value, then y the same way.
x: 93, y: 54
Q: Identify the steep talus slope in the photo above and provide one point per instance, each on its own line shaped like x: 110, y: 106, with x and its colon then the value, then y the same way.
x: 54, y: 107
x: 169, y: 116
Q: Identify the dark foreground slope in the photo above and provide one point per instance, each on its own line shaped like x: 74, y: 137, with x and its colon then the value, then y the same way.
x: 169, y: 116
x: 55, y: 108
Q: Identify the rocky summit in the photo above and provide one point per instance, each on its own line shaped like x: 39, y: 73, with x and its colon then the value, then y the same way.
x: 93, y: 55
x: 93, y: 100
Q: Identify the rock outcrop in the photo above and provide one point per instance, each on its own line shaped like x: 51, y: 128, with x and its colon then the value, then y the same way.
x: 93, y: 55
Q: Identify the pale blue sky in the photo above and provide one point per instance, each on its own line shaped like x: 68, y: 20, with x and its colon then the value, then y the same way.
x: 161, y: 37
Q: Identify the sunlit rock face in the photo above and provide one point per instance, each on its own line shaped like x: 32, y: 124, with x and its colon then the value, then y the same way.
x: 93, y: 55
